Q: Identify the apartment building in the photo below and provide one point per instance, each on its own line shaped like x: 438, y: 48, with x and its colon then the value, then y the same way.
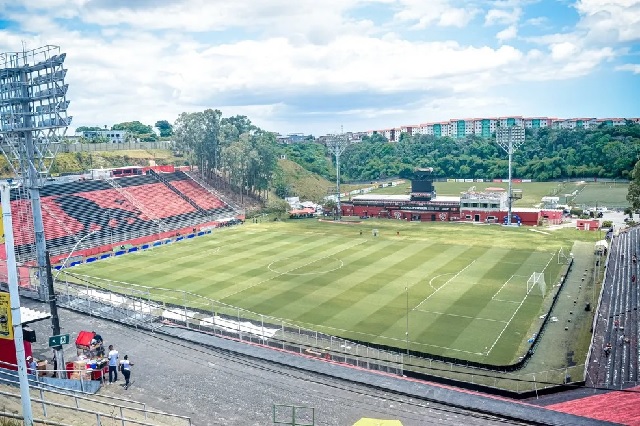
x: 486, y: 127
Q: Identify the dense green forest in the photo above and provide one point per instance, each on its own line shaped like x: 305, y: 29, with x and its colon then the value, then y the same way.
x: 608, y: 152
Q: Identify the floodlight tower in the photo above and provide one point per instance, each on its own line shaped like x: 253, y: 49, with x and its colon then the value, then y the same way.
x: 336, y: 145
x: 510, y: 138
x: 33, y: 119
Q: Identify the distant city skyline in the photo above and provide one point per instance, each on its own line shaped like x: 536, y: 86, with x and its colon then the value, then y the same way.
x: 313, y: 66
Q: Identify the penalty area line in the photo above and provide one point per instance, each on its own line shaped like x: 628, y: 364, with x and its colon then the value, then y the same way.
x: 509, y: 322
x: 460, y: 316
x: 443, y: 285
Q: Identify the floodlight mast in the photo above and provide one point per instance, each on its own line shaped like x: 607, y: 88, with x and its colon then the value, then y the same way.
x: 33, y: 119
x: 336, y: 144
x: 510, y: 138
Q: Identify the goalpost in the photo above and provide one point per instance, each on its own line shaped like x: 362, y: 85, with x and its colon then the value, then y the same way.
x: 537, y: 278
x: 563, y: 258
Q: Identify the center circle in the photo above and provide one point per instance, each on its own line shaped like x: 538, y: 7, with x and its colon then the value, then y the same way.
x: 304, y: 265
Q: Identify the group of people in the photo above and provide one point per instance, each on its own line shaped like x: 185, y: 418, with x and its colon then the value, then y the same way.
x: 115, y: 364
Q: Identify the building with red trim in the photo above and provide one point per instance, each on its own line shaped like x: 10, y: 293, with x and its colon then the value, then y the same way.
x: 424, y: 205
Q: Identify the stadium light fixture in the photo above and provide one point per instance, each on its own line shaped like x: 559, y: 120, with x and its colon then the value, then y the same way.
x: 510, y: 138
x: 33, y: 120
x: 336, y: 144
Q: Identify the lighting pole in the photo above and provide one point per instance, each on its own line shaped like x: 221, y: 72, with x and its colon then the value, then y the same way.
x: 336, y: 145
x: 14, y: 297
x: 510, y: 138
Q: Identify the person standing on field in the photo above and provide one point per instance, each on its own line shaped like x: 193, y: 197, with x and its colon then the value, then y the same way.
x: 125, y: 367
x: 113, y: 364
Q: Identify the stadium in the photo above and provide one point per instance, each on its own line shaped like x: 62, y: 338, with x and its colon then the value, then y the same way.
x: 495, y: 309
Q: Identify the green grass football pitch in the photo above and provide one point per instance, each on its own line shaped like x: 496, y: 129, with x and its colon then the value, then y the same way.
x: 462, y: 287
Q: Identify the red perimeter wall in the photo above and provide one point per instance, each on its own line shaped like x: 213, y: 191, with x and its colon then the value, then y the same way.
x: 527, y: 218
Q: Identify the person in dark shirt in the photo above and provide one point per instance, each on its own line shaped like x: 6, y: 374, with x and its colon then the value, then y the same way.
x: 96, y: 346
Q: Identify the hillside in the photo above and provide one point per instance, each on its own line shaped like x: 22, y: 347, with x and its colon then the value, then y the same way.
x: 77, y: 162
x: 301, y: 182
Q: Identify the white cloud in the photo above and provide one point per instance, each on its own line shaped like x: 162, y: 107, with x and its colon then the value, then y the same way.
x: 434, y: 12
x: 634, y: 68
x: 274, y: 59
x: 507, y: 34
x: 537, y: 21
x: 502, y: 16
x: 610, y: 20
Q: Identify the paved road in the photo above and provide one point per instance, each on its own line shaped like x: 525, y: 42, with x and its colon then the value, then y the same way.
x: 216, y: 387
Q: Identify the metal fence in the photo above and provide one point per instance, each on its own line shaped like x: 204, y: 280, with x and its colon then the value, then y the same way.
x: 98, y: 407
x: 124, y: 146
x: 150, y: 308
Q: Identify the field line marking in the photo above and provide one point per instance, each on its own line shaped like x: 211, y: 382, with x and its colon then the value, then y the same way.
x: 106, y: 279
x: 456, y: 315
x: 443, y: 285
x: 505, y: 283
x: 509, y: 322
x: 286, y: 272
x: 389, y: 338
x: 505, y: 301
x: 437, y: 276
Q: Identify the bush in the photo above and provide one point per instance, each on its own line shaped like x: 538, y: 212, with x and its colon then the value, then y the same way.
x: 607, y: 224
x: 576, y: 212
x: 5, y: 421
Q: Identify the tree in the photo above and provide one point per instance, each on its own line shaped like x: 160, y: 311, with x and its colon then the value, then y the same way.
x: 133, y: 127
x: 165, y: 128
x: 87, y: 129
x: 633, y: 196
x: 137, y: 130
x: 199, y: 134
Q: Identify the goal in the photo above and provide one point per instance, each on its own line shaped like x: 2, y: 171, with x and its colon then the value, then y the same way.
x: 563, y: 258
x: 537, y: 278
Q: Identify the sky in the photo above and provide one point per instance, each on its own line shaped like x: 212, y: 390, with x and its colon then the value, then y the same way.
x: 317, y: 67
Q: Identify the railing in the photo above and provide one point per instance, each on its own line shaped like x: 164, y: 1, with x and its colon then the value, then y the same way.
x: 150, y: 308
x: 177, y: 191
x: 161, y: 225
x: 59, y: 221
x: 36, y: 384
x: 4, y: 414
x: 196, y: 177
x: 594, y: 324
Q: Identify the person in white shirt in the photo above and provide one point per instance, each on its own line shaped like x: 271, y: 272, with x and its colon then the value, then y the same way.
x: 113, y: 364
x: 32, y: 366
x: 125, y: 367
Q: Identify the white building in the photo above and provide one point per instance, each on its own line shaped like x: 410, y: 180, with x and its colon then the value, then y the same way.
x: 114, y: 136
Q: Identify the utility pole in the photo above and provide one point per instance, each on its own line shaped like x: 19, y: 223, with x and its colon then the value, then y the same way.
x: 55, y: 319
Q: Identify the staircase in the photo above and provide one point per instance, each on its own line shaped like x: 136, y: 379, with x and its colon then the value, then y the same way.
x: 177, y: 191
x: 60, y: 222
x: 200, y: 181
x: 155, y: 219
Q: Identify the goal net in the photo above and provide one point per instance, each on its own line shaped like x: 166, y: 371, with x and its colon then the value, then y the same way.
x: 563, y: 257
x: 537, y: 279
